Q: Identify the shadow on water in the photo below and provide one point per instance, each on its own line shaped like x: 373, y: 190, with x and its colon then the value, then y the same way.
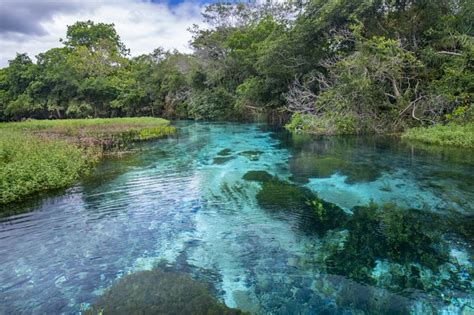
x: 34, y: 202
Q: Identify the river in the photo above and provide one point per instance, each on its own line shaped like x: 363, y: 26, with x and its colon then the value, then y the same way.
x: 185, y: 201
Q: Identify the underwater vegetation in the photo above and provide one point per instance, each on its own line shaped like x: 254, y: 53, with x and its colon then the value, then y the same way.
x: 258, y: 176
x: 159, y: 291
x: 252, y: 155
x: 305, y: 166
x: 222, y: 159
x: 387, y: 246
x: 225, y: 155
x: 278, y: 196
x: 225, y: 152
x: 405, y: 237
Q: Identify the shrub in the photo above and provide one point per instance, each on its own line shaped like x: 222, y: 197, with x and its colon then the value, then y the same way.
x: 212, y: 104
x: 450, y: 134
x: 29, y: 165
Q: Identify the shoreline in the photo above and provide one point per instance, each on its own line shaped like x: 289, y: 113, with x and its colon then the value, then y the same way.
x: 44, y: 155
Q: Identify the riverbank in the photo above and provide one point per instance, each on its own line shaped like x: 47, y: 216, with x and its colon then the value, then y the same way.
x: 451, y: 135
x: 42, y: 155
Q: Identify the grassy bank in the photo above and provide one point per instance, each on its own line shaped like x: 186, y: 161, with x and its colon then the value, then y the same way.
x: 451, y: 135
x: 43, y: 155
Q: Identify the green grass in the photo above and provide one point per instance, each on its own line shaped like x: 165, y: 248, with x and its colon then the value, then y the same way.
x: 446, y: 135
x: 42, y: 155
x: 82, y: 123
x: 105, y: 133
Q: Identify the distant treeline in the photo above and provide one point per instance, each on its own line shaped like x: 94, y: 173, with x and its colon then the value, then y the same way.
x: 327, y: 66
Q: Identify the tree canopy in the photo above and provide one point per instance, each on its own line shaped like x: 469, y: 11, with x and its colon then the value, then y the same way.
x: 337, y: 66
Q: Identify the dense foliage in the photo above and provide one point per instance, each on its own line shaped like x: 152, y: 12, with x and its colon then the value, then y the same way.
x: 29, y: 164
x: 450, y: 134
x: 41, y: 155
x: 333, y: 67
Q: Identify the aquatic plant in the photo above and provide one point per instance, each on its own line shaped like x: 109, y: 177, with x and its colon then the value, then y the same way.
x: 258, y: 176
x: 357, y: 258
x: 225, y: 152
x: 252, y: 155
x: 314, y: 214
x: 411, y: 236
x: 158, y: 291
x: 222, y: 159
x: 305, y: 166
x: 155, y: 132
x: 404, y: 238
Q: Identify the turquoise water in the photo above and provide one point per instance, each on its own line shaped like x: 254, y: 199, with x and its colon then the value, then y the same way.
x: 183, y: 201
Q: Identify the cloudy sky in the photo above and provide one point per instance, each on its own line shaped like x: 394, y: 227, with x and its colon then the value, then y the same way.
x: 33, y: 26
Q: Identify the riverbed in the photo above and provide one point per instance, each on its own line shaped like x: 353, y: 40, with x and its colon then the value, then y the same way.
x: 184, y: 202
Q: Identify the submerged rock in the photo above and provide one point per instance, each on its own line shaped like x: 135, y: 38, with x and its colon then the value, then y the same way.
x: 158, y: 292
x: 313, y: 214
x: 225, y: 152
x: 306, y: 166
x: 257, y: 176
x: 222, y: 159
x: 370, y: 300
x: 252, y: 155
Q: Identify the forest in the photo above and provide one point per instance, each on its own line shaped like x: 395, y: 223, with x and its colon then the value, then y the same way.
x: 322, y: 67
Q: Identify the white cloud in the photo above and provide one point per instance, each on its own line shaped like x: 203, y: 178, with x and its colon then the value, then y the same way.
x: 142, y: 26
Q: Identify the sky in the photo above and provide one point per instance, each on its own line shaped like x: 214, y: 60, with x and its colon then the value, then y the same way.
x: 34, y: 26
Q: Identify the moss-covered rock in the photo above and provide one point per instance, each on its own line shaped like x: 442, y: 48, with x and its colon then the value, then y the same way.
x: 222, y: 159
x: 225, y: 152
x: 361, y: 173
x: 252, y: 155
x: 305, y: 166
x: 313, y: 214
x: 158, y: 292
x: 370, y: 300
x: 257, y: 176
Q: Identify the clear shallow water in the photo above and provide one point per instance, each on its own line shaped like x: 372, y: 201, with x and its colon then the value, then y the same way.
x: 183, y: 200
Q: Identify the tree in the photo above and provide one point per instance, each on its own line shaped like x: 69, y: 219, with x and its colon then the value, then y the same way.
x: 96, y: 37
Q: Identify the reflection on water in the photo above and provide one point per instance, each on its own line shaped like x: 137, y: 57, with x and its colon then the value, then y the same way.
x: 280, y: 224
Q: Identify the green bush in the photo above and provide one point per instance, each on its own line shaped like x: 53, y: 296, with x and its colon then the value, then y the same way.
x: 29, y: 165
x: 450, y: 134
x: 327, y: 124
x: 212, y: 104
x: 41, y: 155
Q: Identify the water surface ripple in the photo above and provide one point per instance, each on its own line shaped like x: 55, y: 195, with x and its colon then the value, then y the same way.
x: 183, y: 200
